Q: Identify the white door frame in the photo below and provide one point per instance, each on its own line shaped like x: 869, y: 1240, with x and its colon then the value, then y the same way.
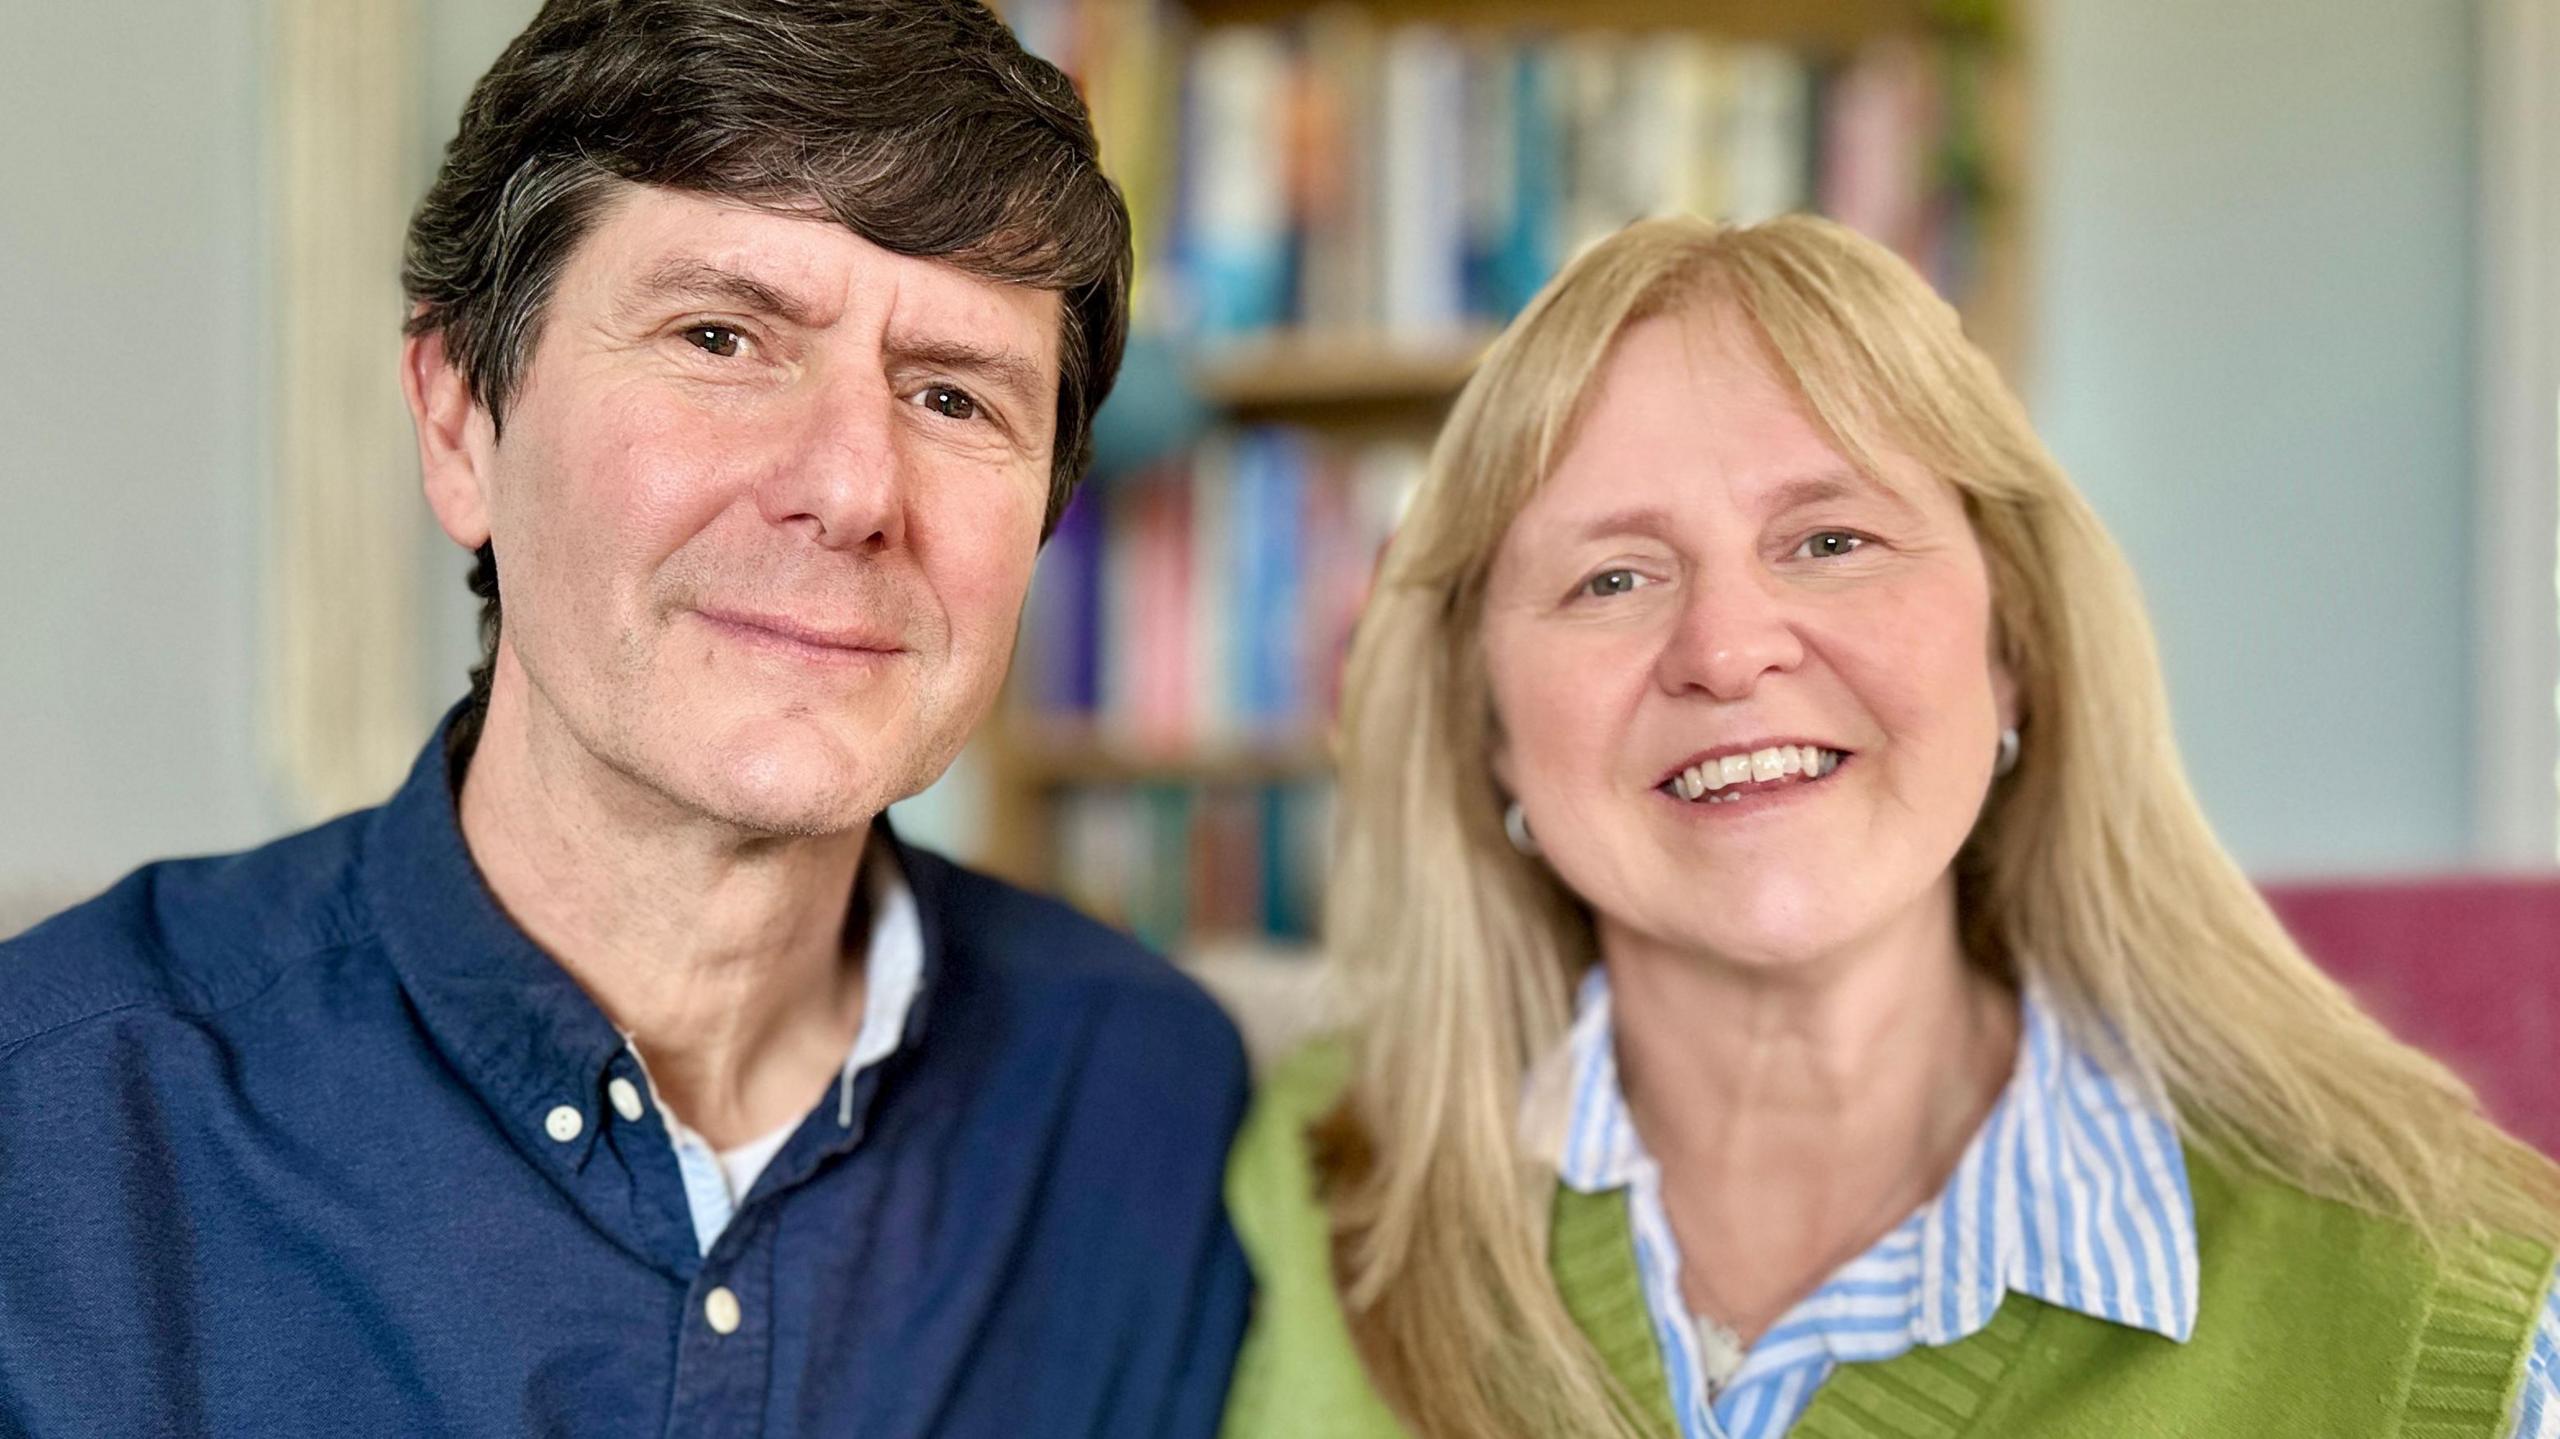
x: 2516, y: 728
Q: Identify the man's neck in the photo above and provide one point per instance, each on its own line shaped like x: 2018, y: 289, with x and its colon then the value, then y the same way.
x: 1798, y: 1117
x: 723, y: 956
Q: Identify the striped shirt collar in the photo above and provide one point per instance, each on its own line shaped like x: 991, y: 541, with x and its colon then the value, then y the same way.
x: 2074, y: 1191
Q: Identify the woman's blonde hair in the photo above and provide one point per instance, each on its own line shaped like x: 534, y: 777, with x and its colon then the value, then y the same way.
x: 2091, y: 867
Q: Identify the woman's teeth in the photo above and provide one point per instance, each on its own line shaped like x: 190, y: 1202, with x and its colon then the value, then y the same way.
x: 1762, y: 766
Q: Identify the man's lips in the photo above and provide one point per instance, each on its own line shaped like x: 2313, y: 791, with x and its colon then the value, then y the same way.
x: 849, y: 641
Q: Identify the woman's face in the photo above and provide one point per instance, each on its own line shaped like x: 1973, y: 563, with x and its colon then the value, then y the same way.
x: 1704, y: 591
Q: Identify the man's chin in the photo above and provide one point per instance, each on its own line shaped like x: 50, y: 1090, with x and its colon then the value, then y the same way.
x: 783, y: 781
x: 791, y: 796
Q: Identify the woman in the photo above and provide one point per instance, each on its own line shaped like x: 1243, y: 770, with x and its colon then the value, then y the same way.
x: 1795, y: 989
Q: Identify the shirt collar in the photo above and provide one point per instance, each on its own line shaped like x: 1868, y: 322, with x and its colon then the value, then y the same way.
x: 2073, y: 1191
x: 893, y: 964
x: 515, y: 1025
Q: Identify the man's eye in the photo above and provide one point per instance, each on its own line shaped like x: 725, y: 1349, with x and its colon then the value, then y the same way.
x: 1612, y: 582
x: 717, y: 340
x: 1830, y: 545
x: 951, y: 404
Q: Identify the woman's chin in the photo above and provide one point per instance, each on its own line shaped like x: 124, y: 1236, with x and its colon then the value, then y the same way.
x: 1799, y: 922
x: 1783, y: 939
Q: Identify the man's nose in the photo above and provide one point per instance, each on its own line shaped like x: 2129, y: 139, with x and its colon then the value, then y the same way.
x: 839, y: 475
x: 1733, y: 629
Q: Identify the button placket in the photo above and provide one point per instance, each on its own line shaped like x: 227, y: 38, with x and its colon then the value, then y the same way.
x: 724, y: 1352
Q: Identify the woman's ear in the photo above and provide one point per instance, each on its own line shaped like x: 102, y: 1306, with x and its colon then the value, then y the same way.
x: 2004, y: 693
x: 455, y: 439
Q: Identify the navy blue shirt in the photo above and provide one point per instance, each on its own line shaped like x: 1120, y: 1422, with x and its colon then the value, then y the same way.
x: 274, y: 1162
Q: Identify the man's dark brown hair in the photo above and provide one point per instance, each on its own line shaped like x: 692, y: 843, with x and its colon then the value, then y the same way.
x: 920, y: 125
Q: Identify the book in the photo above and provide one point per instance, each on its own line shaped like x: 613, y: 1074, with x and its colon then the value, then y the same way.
x: 1236, y: 229
x: 1205, y: 604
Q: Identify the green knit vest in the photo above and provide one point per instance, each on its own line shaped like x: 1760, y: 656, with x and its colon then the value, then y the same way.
x: 2316, y: 1320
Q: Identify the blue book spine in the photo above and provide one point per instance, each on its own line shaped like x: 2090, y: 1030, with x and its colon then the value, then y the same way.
x: 1235, y: 202
x: 1527, y: 255
x: 1078, y: 545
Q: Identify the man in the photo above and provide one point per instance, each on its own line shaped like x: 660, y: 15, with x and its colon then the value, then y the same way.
x: 624, y: 1074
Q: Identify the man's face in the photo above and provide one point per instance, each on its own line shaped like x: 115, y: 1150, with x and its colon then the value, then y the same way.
x: 765, y: 507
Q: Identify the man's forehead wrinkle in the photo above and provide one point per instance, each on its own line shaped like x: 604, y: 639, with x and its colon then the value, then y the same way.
x: 753, y: 287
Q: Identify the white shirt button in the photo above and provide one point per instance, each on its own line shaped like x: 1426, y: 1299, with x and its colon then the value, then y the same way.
x: 564, y: 1123
x: 626, y: 1097
x: 720, y: 1309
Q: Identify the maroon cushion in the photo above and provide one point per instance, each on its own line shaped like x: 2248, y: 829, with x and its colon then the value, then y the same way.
x: 2467, y: 968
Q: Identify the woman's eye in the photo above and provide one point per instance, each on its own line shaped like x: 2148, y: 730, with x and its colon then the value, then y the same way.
x: 717, y: 340
x: 1830, y: 545
x: 1612, y: 582
x: 950, y: 403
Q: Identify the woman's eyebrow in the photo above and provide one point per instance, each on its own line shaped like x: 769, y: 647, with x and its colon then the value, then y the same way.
x: 1829, y: 486
x: 1649, y: 521
x: 1783, y: 497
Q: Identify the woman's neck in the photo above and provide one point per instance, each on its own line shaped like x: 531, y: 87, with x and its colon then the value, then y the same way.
x: 1800, y: 1113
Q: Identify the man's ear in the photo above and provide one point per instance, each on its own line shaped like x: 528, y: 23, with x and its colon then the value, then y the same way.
x: 455, y: 439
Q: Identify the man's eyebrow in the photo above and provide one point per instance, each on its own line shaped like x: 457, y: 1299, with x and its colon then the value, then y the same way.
x: 687, y: 278
x: 1008, y: 370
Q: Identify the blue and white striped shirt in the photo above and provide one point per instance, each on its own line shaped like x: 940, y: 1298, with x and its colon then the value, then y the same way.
x: 2074, y: 1191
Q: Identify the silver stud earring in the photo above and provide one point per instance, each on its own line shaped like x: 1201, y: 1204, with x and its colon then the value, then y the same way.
x: 2008, y: 757
x: 1515, y: 823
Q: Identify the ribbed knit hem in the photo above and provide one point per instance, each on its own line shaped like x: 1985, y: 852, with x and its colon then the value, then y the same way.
x: 1927, y: 1392
x: 2470, y: 1361
x: 1593, y: 1256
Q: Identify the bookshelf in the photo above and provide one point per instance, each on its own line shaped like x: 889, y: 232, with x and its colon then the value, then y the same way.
x: 1302, y: 243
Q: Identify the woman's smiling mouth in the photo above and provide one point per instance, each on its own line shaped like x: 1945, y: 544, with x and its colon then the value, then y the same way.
x: 1731, y: 776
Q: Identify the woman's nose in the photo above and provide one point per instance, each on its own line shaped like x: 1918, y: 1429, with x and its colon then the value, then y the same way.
x: 1733, y: 629
x: 841, y: 476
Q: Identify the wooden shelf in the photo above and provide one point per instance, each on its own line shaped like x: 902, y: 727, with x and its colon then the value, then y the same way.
x: 1820, y: 25
x: 1302, y: 372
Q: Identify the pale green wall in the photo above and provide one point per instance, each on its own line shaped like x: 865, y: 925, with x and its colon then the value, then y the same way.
x: 2254, y: 291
